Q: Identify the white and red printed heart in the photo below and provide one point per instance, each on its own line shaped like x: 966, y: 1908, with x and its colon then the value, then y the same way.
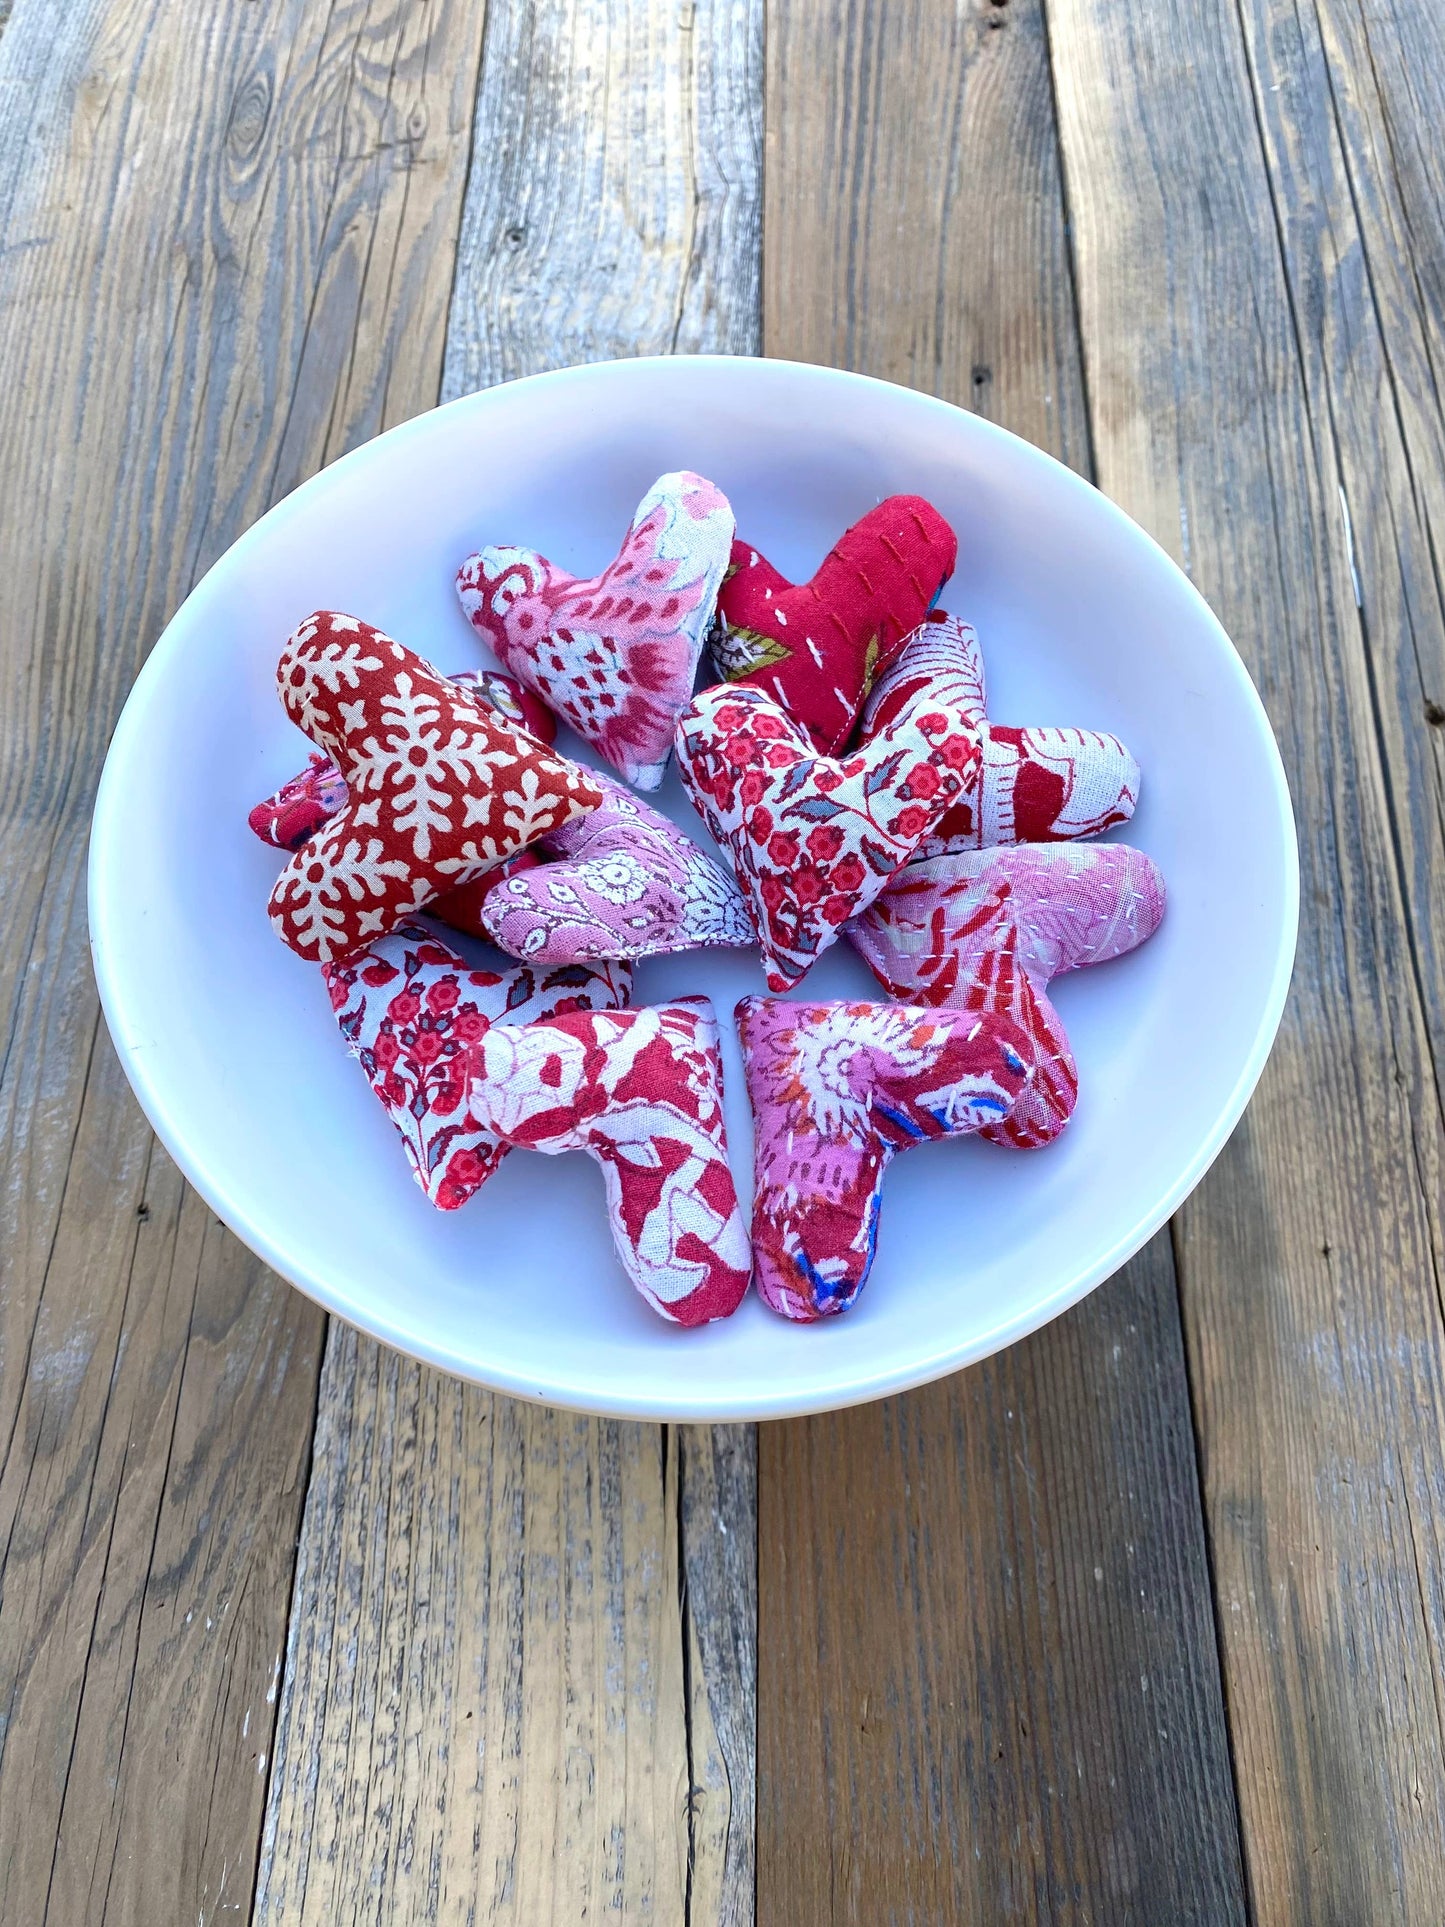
x: 614, y: 655
x: 813, y: 839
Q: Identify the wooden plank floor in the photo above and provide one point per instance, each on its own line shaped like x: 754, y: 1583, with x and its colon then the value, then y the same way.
x: 1143, y: 1621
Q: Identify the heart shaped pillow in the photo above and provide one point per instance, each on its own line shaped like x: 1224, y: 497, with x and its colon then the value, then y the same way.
x: 813, y: 839
x: 640, y: 1091
x: 439, y: 789
x: 414, y: 1016
x: 837, y: 1089
x: 987, y: 930
x: 1033, y: 785
x: 623, y: 882
x: 816, y: 647
x: 615, y: 655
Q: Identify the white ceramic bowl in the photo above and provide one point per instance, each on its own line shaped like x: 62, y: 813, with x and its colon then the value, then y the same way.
x: 229, y: 1040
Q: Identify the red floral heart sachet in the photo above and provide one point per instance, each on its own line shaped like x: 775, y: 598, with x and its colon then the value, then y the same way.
x: 1038, y: 784
x: 415, y: 1015
x: 816, y: 647
x: 615, y: 655
x: 439, y: 789
x: 813, y: 839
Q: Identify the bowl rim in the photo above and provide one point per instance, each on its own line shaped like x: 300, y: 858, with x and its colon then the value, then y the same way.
x: 572, y: 1391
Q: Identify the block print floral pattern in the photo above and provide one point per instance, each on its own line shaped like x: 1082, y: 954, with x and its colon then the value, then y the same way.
x: 623, y: 882
x: 296, y: 811
x: 439, y: 788
x: 837, y: 1089
x: 616, y: 654
x: 814, y: 839
x: 816, y: 646
x: 986, y: 931
x: 414, y: 1015
x: 1034, y: 785
x: 640, y: 1092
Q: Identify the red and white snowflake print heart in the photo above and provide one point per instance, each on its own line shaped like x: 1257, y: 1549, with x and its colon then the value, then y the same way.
x: 414, y: 1015
x: 439, y: 789
x: 614, y: 655
x: 1039, y: 784
x: 813, y: 839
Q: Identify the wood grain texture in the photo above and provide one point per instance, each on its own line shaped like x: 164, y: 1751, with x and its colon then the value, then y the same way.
x: 988, y: 1680
x: 491, y: 1711
x: 520, y: 1687
x: 218, y: 229
x: 615, y: 201
x: 1237, y: 374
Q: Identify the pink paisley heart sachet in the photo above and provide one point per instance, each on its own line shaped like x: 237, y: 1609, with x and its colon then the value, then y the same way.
x: 614, y: 655
x: 988, y: 930
x: 622, y: 882
x: 837, y: 1090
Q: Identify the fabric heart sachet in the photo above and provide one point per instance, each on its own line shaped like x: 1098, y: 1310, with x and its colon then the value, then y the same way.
x: 814, y: 838
x: 816, y: 647
x: 616, y: 654
x: 439, y: 789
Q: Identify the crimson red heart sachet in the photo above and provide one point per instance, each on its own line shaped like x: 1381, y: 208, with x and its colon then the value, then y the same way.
x: 816, y: 647
x: 813, y: 839
x: 440, y: 790
x: 616, y: 654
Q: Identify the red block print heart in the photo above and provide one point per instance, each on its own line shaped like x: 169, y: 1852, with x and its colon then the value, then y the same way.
x: 415, y: 1016
x: 640, y: 1091
x: 293, y: 815
x: 439, y: 790
x: 614, y: 655
x: 1033, y: 785
x: 816, y: 647
x: 813, y: 839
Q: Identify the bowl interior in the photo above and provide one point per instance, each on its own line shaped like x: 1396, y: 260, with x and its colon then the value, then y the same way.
x: 230, y: 1042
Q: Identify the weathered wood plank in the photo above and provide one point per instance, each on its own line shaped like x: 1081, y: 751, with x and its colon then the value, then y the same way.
x: 224, y: 255
x: 1237, y: 380
x: 520, y: 1687
x: 988, y: 1685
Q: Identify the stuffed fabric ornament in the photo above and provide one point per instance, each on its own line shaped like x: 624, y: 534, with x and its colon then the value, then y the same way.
x: 640, y: 1091
x: 616, y: 655
x: 294, y: 814
x: 414, y: 1015
x: 816, y: 647
x: 623, y: 882
x: 299, y: 808
x: 1038, y: 785
x: 812, y: 839
x: 439, y: 788
x: 836, y: 1090
x: 987, y: 930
